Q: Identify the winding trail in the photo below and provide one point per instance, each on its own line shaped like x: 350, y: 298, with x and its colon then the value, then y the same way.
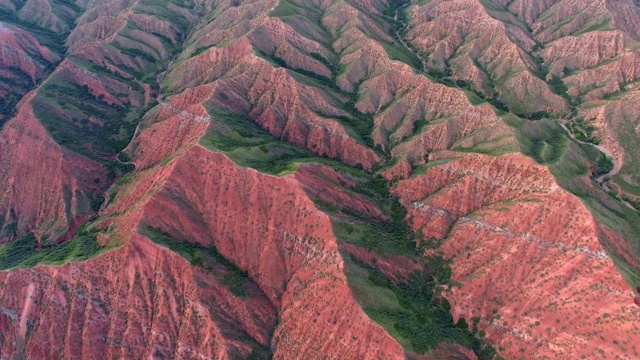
x: 617, y: 165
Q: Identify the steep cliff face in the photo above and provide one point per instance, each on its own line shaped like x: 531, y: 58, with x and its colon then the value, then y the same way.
x: 329, y: 179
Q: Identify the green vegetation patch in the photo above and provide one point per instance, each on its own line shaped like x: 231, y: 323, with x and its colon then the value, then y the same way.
x: 583, y: 130
x: 67, y: 110
x: 207, y: 258
x: 629, y: 176
x: 287, y: 8
x: 546, y: 143
x: 596, y: 25
x: 25, y: 252
x: 248, y: 145
x: 392, y: 236
x: 411, y: 312
x: 558, y: 87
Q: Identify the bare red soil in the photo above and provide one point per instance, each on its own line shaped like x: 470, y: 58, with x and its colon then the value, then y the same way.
x: 45, y: 186
x: 138, y: 301
x: 527, y: 257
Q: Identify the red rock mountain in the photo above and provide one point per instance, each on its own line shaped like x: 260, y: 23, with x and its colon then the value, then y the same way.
x: 348, y: 179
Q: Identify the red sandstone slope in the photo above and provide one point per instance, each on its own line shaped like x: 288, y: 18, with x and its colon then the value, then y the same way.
x: 23, y: 63
x: 47, y: 189
x: 527, y: 256
x: 20, y: 51
x: 282, y: 241
x: 499, y: 63
x: 275, y: 234
x: 82, y: 115
x: 237, y: 77
x: 306, y: 72
x: 138, y: 301
x: 593, y: 48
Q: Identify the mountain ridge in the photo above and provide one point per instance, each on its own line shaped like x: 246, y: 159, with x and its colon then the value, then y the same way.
x: 212, y: 127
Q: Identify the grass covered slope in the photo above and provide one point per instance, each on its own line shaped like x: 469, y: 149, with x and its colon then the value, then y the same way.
x: 24, y: 252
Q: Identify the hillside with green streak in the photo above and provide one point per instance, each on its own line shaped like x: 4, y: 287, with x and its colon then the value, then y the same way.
x: 26, y: 251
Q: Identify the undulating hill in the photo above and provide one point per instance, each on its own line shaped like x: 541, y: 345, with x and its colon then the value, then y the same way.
x: 295, y: 179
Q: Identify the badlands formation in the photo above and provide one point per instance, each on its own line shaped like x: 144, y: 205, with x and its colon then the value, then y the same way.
x: 294, y: 179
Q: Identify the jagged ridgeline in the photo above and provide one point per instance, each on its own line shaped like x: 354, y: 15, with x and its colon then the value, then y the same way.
x: 330, y: 179
x: 106, y: 77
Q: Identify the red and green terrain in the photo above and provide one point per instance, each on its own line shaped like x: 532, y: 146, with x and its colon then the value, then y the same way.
x: 315, y: 179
